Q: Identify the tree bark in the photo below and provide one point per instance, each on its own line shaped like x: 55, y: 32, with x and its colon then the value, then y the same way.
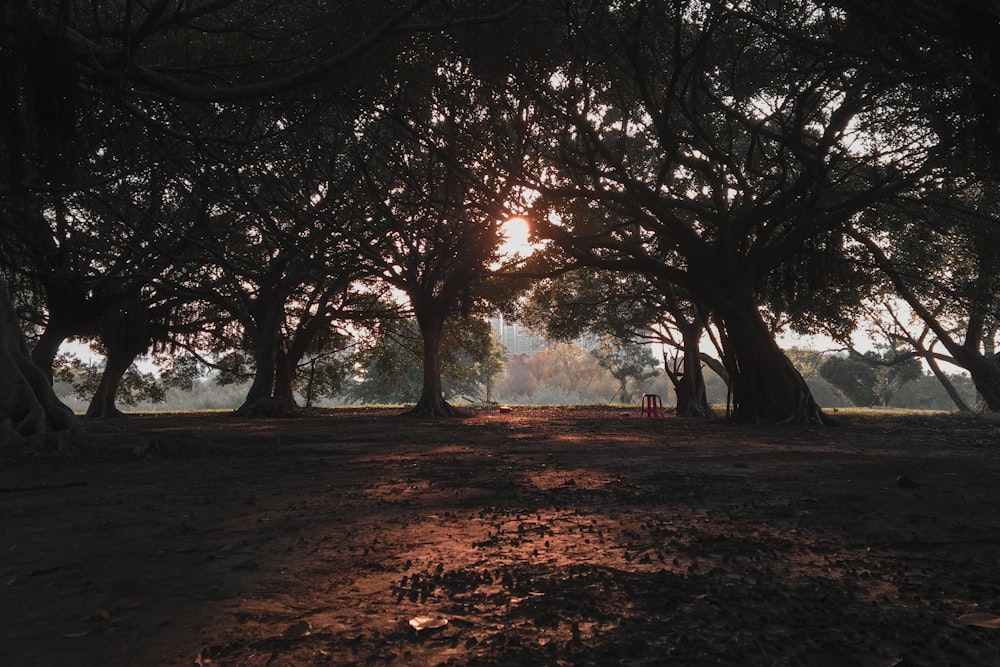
x: 264, y: 399
x: 432, y: 402
x: 284, y: 373
x: 46, y: 348
x: 103, y: 404
x: 689, y: 386
x: 28, y: 405
x: 949, y: 387
x: 985, y: 375
x: 126, y: 332
x: 72, y: 312
x: 689, y: 382
x: 766, y: 387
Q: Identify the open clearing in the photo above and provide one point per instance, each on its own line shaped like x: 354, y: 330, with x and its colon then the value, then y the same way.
x: 557, y: 536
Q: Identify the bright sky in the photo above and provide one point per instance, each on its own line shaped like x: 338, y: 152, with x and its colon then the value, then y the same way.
x: 515, y: 232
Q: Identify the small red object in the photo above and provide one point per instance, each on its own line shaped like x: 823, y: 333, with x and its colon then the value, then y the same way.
x: 652, y: 406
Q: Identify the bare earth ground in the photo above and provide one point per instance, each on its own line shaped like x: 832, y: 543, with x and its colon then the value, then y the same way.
x: 558, y: 537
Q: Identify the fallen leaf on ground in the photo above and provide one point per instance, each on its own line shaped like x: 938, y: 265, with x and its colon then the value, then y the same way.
x: 419, y: 623
x: 980, y: 620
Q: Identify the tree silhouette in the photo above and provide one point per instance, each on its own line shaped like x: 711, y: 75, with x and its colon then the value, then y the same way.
x: 709, y: 145
x: 627, y: 362
x: 177, y: 67
x: 432, y: 166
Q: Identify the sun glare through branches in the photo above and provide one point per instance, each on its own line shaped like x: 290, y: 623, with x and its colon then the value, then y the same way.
x: 516, y: 241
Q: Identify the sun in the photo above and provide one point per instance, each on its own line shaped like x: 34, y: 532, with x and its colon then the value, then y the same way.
x: 515, y: 238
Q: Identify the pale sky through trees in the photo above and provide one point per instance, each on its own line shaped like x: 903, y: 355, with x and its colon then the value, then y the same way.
x: 741, y: 166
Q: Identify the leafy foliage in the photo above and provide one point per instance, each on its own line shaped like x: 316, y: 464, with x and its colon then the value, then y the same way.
x: 390, y: 368
x: 211, y: 177
x: 561, y: 370
x: 136, y: 386
x: 629, y: 363
x: 872, y: 379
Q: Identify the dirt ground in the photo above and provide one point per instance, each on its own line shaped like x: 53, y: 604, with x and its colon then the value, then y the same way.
x: 549, y: 537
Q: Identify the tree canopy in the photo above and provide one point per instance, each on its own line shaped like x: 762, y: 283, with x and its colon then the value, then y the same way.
x: 250, y: 180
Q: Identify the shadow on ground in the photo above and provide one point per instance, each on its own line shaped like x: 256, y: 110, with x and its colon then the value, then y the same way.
x: 534, y: 537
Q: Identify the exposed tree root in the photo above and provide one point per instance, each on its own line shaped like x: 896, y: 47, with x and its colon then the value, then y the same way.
x: 268, y: 407
x: 28, y: 405
x: 434, y: 408
x: 103, y: 412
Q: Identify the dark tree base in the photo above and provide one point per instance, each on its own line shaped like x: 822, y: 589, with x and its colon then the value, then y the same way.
x: 692, y: 404
x: 268, y: 408
x: 104, y: 413
x: 696, y: 411
x: 807, y: 413
x: 438, y: 408
x: 28, y: 405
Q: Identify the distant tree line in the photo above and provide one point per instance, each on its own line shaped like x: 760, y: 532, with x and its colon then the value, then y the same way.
x: 249, y: 184
x: 477, y: 370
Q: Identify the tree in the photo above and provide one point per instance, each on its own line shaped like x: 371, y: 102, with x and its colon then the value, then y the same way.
x: 626, y: 362
x: 89, y: 245
x: 392, y: 368
x: 491, y: 366
x: 28, y: 406
x: 273, y: 255
x: 669, y: 155
x: 86, y: 380
x: 630, y: 307
x: 153, y: 60
x: 889, y: 326
x: 871, y: 379
x: 939, y: 256
x: 943, y: 262
x: 560, y: 373
x: 432, y: 162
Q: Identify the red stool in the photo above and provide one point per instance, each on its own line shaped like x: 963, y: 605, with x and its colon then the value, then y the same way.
x: 652, y: 406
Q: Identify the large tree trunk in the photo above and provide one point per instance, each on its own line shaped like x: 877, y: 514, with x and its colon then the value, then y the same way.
x: 948, y: 385
x: 432, y: 402
x: 766, y: 387
x: 28, y: 406
x: 265, y: 398
x: 43, y: 355
x: 71, y: 313
x: 985, y: 375
x: 688, y: 380
x: 103, y: 404
x: 288, y: 358
x: 126, y: 333
x: 689, y: 386
x: 284, y: 374
x: 263, y: 378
